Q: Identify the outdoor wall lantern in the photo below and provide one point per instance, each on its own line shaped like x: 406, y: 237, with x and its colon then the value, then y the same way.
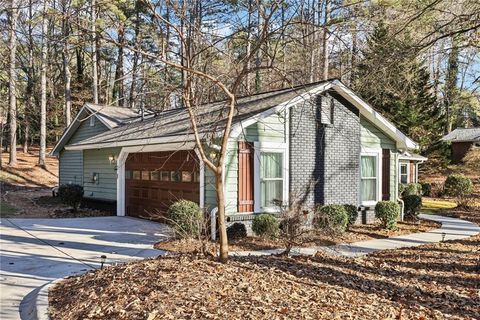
x: 112, y: 159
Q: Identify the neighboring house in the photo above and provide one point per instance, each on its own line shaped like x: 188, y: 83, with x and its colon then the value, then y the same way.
x: 408, y: 167
x: 461, y: 140
x: 319, y: 142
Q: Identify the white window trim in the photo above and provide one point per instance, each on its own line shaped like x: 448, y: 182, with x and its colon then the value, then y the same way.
x: 377, y: 153
x: 400, y: 171
x: 269, y: 147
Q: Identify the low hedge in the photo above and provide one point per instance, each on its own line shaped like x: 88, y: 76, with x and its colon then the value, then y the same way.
x: 388, y: 213
x: 71, y: 194
x: 413, y: 204
x: 266, y: 226
x: 186, y: 219
x: 331, y: 218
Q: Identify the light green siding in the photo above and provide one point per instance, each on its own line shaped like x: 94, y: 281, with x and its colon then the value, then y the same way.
x: 374, y: 138
x: 70, y: 161
x: 96, y: 161
x: 271, y: 129
x: 210, y: 193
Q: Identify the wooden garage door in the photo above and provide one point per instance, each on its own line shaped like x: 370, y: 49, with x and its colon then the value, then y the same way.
x: 154, y: 180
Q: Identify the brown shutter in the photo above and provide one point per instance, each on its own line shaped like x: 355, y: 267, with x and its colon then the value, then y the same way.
x: 386, y: 174
x: 412, y: 172
x: 245, y: 176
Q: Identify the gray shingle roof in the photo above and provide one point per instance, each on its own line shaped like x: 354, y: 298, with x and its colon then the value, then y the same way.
x: 463, y: 135
x: 115, y: 116
x: 174, y: 125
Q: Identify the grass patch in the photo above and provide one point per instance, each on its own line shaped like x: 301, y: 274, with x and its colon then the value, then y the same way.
x: 435, y: 205
x: 7, y: 209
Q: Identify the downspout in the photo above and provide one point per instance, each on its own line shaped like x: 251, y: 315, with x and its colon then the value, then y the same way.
x: 399, y: 199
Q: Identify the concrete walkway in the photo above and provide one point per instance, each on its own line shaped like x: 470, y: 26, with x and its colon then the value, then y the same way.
x: 34, y: 252
x: 452, y: 229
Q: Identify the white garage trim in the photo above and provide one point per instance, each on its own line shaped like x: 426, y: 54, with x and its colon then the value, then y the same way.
x: 122, y: 158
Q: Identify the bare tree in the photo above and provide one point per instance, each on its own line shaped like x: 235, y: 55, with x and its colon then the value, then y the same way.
x: 93, y: 8
x: 43, y: 89
x: 66, y: 61
x: 13, y: 82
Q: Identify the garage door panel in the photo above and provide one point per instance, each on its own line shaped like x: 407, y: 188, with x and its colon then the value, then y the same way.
x: 155, y: 180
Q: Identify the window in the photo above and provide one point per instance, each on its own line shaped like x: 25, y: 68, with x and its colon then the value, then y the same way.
x: 136, y: 175
x: 271, y: 178
x: 369, y: 179
x: 196, y: 176
x: 175, y: 176
x: 154, y: 175
x: 403, y: 173
x: 165, y: 175
x: 128, y: 174
x: 145, y: 175
x: 92, y: 121
x: 187, y: 176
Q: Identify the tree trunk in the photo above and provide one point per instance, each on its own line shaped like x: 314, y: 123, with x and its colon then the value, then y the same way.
x: 66, y: 65
x: 118, y: 86
x: 451, y: 91
x: 221, y: 215
x: 133, y: 88
x: 94, y: 51
x: 258, y: 59
x: 325, y: 40
x: 13, y: 83
x: 43, y: 90
x: 248, y: 78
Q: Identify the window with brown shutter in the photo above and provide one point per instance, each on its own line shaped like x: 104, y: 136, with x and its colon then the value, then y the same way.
x: 245, y: 176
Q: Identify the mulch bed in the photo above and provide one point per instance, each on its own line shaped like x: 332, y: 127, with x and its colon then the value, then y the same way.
x: 430, y: 282
x: 354, y: 234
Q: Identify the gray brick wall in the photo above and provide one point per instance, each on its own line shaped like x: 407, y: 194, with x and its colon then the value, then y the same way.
x: 324, y: 159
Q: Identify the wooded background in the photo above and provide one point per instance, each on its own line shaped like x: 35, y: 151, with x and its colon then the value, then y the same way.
x: 417, y: 62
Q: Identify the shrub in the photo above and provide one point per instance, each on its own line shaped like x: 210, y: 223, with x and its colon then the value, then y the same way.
x: 387, y: 212
x: 401, y: 188
x: 458, y: 186
x: 186, y: 219
x: 331, y: 218
x: 413, y: 204
x: 412, y: 189
x: 436, y: 190
x: 352, y: 213
x: 71, y: 194
x: 426, y: 189
x: 266, y: 226
x: 236, y: 231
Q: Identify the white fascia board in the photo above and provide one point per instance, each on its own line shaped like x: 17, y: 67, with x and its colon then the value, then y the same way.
x: 403, y: 142
x: 237, y: 129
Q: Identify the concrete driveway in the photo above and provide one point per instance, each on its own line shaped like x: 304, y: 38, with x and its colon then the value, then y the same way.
x: 34, y: 252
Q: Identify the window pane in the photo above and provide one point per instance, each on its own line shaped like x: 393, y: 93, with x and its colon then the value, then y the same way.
x: 165, y: 175
x: 145, y: 175
x: 369, y: 190
x: 403, y: 169
x: 186, y: 176
x: 271, y: 190
x: 196, y: 177
x: 404, y: 178
x: 128, y: 174
x: 368, y: 164
x: 136, y: 175
x: 271, y: 164
x: 154, y: 175
x: 174, y: 176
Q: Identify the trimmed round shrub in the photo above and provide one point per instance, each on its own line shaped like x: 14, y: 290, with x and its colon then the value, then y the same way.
x: 236, y: 231
x: 426, y: 189
x: 413, y: 204
x: 71, y: 194
x: 186, y: 219
x: 458, y: 186
x: 331, y: 218
x: 266, y: 226
x: 387, y: 212
x: 352, y: 213
x: 412, y: 189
